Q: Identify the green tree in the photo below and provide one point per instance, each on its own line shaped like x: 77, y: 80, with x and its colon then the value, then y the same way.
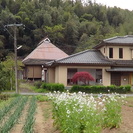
x: 55, y: 33
x: 71, y: 32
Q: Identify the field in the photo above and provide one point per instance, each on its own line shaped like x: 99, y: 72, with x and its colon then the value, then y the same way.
x: 24, y: 114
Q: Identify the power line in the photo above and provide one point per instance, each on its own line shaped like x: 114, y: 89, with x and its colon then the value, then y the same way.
x: 15, y: 51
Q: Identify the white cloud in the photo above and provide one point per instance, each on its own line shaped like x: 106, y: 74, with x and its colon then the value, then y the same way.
x: 124, y: 4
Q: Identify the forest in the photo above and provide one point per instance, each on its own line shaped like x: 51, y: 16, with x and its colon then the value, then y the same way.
x: 71, y: 25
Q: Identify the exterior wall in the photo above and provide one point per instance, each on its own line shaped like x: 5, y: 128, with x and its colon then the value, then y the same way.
x: 61, y: 73
x: 106, y: 77
x: 51, y: 75
x: 127, y: 52
x: 34, y: 72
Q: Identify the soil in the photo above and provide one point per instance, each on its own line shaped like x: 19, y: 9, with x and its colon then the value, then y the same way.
x: 44, y: 121
x: 127, y: 121
x: 45, y: 124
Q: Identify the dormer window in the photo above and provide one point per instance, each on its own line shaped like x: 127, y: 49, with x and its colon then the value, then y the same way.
x: 120, y: 53
x: 110, y: 52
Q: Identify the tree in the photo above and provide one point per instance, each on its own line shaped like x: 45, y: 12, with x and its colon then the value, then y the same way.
x: 4, y: 80
x: 55, y: 33
x: 82, y: 76
x: 8, y: 72
x: 71, y: 32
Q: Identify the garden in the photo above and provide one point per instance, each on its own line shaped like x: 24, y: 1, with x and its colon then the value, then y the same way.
x: 65, y: 112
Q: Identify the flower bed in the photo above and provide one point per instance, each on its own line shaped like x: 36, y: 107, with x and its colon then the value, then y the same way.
x: 83, y: 113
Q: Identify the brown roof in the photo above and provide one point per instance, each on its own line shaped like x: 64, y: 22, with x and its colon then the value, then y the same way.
x: 46, y: 51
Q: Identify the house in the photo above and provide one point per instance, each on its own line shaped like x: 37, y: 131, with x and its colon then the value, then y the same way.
x: 110, y: 62
x: 34, y: 63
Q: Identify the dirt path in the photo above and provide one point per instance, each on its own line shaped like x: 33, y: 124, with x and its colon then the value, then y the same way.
x: 39, y: 120
x: 44, y: 121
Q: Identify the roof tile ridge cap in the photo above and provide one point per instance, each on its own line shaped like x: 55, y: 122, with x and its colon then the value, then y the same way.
x: 44, y: 40
x: 112, y: 38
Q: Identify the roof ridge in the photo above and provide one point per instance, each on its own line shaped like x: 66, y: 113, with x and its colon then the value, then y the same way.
x: 112, y: 38
x: 46, y: 39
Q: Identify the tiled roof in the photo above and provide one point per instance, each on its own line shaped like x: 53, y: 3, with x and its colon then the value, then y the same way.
x: 123, y: 62
x: 119, y: 69
x: 118, y: 40
x: 46, y: 51
x: 92, y: 57
x: 35, y: 61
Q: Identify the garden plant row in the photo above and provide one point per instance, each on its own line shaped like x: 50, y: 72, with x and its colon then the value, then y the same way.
x: 10, y: 114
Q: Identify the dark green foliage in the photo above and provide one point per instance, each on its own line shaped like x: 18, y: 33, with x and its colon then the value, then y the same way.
x: 4, y: 96
x: 101, y: 89
x: 53, y: 87
x: 38, y: 84
x: 4, y: 79
x: 67, y: 22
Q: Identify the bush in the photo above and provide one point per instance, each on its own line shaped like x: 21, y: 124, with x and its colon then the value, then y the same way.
x: 53, y: 87
x: 38, y: 84
x: 101, y: 89
x: 4, y: 96
x: 41, y: 98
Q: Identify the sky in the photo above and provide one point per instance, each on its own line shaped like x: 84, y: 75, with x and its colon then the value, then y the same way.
x: 124, y: 4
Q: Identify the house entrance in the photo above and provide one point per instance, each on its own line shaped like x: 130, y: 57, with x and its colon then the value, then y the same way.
x: 116, y: 79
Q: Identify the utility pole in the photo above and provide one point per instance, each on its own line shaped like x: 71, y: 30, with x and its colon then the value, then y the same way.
x: 15, y: 52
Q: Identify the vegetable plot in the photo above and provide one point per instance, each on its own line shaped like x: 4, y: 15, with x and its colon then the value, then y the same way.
x: 10, y: 114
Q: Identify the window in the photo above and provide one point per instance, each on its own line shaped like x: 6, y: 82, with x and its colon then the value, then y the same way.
x: 120, y: 52
x: 104, y: 50
x: 70, y: 73
x: 110, y: 52
x: 98, y: 75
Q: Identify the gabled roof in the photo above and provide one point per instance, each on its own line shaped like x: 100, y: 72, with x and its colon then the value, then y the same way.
x: 45, y: 51
x: 118, y: 40
x: 92, y: 57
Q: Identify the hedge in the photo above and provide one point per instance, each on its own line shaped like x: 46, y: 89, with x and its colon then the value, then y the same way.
x: 53, y: 87
x: 101, y: 89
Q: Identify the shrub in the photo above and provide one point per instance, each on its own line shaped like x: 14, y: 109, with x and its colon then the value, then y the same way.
x: 44, y: 85
x: 41, y: 98
x: 38, y: 84
x: 55, y: 87
x: 101, y: 89
x: 4, y: 96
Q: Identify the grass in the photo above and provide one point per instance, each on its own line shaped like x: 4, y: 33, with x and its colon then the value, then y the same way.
x: 48, y: 110
x: 31, y: 87
x: 129, y: 101
x: 26, y: 86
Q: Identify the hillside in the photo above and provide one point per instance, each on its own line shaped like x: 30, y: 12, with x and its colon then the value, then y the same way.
x: 70, y: 25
